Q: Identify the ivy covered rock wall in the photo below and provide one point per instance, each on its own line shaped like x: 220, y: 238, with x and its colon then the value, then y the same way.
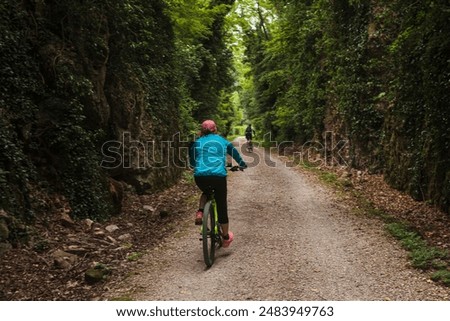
x: 416, y: 132
x: 76, y: 75
x: 372, y: 72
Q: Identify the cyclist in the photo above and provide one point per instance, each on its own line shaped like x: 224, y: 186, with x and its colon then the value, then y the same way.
x: 208, y: 158
x: 249, y: 132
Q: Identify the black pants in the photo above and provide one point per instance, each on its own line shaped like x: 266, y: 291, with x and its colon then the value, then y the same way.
x: 219, y: 185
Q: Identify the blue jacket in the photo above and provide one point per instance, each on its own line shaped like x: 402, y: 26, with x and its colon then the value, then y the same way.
x: 208, y: 156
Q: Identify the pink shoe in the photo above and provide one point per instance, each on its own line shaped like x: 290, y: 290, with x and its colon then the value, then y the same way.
x: 226, y: 243
x: 199, y: 218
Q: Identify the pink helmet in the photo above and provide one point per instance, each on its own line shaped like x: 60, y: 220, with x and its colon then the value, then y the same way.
x: 209, y: 126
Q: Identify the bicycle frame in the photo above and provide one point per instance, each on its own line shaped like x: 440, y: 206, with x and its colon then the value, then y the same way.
x: 212, y: 204
x: 216, y: 216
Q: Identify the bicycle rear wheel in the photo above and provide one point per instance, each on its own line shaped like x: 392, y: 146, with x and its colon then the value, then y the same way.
x: 208, y: 234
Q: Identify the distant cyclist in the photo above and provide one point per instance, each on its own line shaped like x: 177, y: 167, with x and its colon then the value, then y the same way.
x: 208, y: 158
x: 249, y: 132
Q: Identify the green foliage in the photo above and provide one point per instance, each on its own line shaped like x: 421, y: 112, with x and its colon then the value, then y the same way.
x: 78, y: 73
x: 443, y: 276
x: 204, y: 61
x: 19, y: 78
x: 82, y: 179
x: 419, y: 121
x: 142, y: 57
x: 422, y: 256
x: 193, y: 19
x: 134, y: 256
x: 58, y: 61
x: 376, y: 73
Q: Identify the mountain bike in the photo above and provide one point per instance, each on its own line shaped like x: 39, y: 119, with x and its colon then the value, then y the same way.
x: 211, y: 230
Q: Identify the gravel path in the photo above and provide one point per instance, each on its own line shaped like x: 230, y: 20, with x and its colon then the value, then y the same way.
x: 293, y: 241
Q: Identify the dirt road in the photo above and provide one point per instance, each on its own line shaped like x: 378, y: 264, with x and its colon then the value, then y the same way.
x: 293, y: 241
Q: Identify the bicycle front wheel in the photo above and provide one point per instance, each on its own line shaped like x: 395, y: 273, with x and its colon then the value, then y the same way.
x: 208, y: 234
